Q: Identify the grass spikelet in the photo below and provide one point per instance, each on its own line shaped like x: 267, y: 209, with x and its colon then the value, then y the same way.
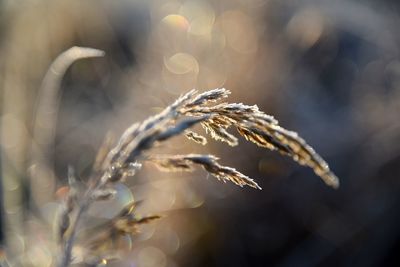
x: 219, y: 133
x: 263, y: 130
x: 208, y: 162
x: 101, y: 241
x: 197, y: 138
x: 117, y: 164
x: 209, y: 97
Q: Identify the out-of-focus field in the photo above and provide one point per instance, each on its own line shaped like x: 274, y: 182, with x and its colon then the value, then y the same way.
x: 329, y: 70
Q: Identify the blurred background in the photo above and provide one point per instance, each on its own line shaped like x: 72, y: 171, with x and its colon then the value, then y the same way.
x: 329, y: 70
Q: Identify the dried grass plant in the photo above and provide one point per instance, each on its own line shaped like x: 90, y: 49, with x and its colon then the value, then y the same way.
x: 115, y: 163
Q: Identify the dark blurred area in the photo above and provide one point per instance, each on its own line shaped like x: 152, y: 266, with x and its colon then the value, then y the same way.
x: 329, y: 70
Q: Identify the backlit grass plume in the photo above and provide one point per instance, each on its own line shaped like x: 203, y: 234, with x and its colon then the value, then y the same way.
x: 116, y: 163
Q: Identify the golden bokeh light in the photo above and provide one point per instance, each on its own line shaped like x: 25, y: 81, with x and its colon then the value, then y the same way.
x: 176, y: 22
x: 181, y: 63
x: 200, y: 15
x: 240, y: 31
x: 151, y: 257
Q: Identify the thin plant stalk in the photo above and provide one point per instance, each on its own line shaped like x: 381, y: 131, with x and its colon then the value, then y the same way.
x: 115, y: 164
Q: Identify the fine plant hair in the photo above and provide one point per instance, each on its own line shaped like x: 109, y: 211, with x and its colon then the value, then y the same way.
x: 115, y: 163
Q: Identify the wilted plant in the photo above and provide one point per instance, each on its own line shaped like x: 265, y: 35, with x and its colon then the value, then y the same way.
x: 114, y: 165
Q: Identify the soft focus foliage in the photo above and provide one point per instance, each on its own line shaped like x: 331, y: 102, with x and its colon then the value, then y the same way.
x: 328, y: 69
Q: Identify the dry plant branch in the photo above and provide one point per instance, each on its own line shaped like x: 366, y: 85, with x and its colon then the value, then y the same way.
x: 115, y: 164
